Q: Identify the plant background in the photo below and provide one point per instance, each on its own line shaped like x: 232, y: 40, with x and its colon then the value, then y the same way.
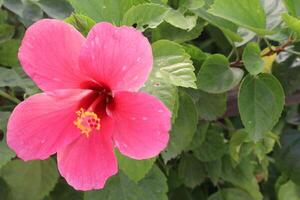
x: 223, y: 67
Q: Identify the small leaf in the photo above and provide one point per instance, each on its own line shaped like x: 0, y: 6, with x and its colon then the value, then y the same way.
x: 134, y: 169
x: 252, y: 58
x: 246, y: 13
x: 235, y: 144
x: 293, y: 23
x: 167, y: 31
x: 287, y: 156
x: 289, y: 191
x: 191, y: 4
x: 6, y: 32
x: 230, y: 194
x: 183, y: 129
x: 145, y: 16
x: 81, y: 22
x: 8, y: 52
x: 8, y: 77
x: 191, y: 171
x: 173, y: 64
x: 178, y: 20
x: 58, y: 9
x: 40, y: 177
x: 215, y: 75
x: 260, y: 101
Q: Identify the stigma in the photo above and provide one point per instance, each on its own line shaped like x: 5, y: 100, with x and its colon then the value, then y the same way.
x: 87, y: 121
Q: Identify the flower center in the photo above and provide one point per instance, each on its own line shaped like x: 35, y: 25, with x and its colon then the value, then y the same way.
x: 87, y: 121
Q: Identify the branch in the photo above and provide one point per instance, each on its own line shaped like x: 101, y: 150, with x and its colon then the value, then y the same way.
x: 240, y: 63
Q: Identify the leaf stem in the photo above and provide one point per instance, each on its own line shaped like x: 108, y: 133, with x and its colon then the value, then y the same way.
x: 9, y: 97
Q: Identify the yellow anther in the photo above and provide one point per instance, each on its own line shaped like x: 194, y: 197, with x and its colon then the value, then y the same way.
x: 87, y: 121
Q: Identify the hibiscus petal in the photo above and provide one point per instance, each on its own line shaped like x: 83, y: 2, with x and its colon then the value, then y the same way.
x: 49, y: 54
x: 117, y: 57
x: 44, y: 123
x: 142, y: 124
x: 88, y: 162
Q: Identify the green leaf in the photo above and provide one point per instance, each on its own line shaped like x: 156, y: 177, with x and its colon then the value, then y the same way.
x: 191, y: 171
x: 104, y: 10
x: 81, y: 22
x: 173, y: 64
x: 40, y: 177
x: 289, y: 191
x: 59, y: 9
x: 241, y: 176
x: 252, y: 58
x: 154, y: 185
x: 287, y: 156
x: 8, y: 77
x: 211, y: 106
x: 197, y: 55
x: 293, y: 7
x: 8, y: 52
x: 166, y: 92
x: 134, y: 169
x: 6, y: 32
x: 214, y: 170
x: 145, y: 16
x: 167, y: 31
x: 63, y: 191
x: 3, y: 120
x: 191, y: 4
x: 228, y: 28
x: 230, y: 194
x: 215, y: 75
x: 119, y: 187
x: 199, y: 136
x: 246, y: 13
x: 260, y: 102
x: 177, y: 19
x: 6, y: 153
x: 213, y: 147
x: 235, y: 144
x: 183, y: 129
x: 293, y: 23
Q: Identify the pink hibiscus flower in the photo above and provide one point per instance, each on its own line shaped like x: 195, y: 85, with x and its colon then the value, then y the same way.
x: 90, y: 102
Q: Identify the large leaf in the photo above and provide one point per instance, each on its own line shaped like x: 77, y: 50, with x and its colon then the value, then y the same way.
x: 293, y: 7
x: 120, y: 187
x: 287, y: 156
x: 260, y: 101
x: 40, y: 177
x: 191, y: 171
x: 246, y: 13
x: 228, y: 28
x: 252, y: 58
x: 177, y: 19
x: 104, y: 10
x: 211, y: 106
x: 59, y: 9
x: 173, y: 64
x: 6, y: 32
x: 145, y: 16
x: 215, y: 75
x: 183, y: 129
x: 241, y: 176
x: 213, y: 147
x: 134, y: 169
